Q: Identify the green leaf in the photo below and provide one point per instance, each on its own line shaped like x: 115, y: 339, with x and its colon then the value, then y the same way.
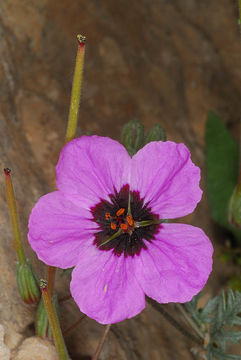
x: 220, y: 355
x: 132, y: 136
x: 191, y: 307
x: 226, y: 313
x: 209, y: 309
x: 209, y: 353
x: 229, y: 336
x: 222, y: 161
x: 156, y: 133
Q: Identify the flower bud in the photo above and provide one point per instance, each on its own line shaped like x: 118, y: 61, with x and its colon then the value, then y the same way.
x: 234, y: 213
x: 43, y: 328
x: 132, y: 136
x: 27, y: 283
x: 156, y: 133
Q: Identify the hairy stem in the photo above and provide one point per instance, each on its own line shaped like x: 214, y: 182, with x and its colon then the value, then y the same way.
x: 54, y: 322
x: 76, y: 90
x: 74, y: 325
x: 14, y: 218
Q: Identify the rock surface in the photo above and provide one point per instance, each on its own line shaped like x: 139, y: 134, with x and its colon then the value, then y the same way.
x: 159, y: 61
x: 4, y: 350
x: 34, y: 348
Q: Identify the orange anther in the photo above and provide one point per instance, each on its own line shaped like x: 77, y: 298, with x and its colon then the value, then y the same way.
x: 113, y: 226
x: 130, y: 220
x: 120, y: 212
x: 107, y: 216
x: 124, y: 226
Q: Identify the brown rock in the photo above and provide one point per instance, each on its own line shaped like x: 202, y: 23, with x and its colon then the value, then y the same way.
x: 4, y: 350
x: 35, y: 348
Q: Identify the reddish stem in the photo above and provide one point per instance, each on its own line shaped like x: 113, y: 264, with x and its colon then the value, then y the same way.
x: 101, y: 343
x: 74, y: 325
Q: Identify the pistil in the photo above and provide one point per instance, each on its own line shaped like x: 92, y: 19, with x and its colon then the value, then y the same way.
x: 139, y: 224
x: 114, y: 236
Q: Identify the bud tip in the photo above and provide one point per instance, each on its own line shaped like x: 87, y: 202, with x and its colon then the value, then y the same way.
x: 43, y: 284
x: 7, y: 171
x: 81, y: 39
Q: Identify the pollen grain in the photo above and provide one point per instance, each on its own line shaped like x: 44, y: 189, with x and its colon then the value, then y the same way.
x: 124, y: 226
x: 107, y: 216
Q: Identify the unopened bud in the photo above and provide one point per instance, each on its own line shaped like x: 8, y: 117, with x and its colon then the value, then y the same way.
x: 156, y: 133
x: 27, y: 283
x: 43, y: 328
x: 132, y: 136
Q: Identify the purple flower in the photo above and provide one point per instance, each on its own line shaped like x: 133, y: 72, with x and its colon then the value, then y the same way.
x: 106, y: 221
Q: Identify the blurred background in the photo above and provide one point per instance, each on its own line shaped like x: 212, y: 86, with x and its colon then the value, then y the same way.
x: 167, y: 62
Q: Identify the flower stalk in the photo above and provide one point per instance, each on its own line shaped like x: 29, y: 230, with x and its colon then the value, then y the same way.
x: 51, y: 270
x: 72, y: 123
x: 54, y: 322
x: 18, y: 246
x: 76, y: 90
x: 74, y: 325
x: 42, y: 325
x: 26, y: 278
x: 101, y: 343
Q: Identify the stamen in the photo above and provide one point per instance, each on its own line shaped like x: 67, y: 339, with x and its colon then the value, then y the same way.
x: 120, y: 212
x: 130, y: 220
x: 113, y: 226
x: 107, y: 216
x: 124, y: 226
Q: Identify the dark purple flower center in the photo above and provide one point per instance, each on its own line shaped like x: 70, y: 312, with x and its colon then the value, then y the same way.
x: 123, y: 217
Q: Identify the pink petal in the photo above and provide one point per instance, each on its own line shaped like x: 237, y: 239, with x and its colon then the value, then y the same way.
x: 104, y: 287
x: 176, y: 265
x: 165, y: 176
x: 58, y: 230
x: 90, y: 167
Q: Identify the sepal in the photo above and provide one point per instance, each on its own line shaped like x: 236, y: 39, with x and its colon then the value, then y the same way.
x: 132, y: 136
x: 156, y: 133
x: 27, y: 283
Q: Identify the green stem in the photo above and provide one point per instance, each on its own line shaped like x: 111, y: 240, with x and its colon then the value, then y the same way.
x: 72, y: 121
x: 13, y: 213
x: 101, y: 343
x: 54, y: 322
x: 76, y: 90
x: 189, y: 320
